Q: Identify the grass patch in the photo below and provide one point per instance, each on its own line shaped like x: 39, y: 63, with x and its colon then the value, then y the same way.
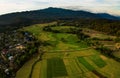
x: 56, y: 68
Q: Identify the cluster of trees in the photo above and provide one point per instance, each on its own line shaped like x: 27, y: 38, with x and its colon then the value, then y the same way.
x: 70, y: 29
x: 19, y: 23
x: 2, y: 74
x: 82, y: 36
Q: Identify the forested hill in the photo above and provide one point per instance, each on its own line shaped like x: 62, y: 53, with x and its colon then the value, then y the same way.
x: 50, y: 14
x: 18, y: 19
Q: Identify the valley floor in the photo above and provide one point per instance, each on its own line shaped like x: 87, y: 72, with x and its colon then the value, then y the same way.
x: 67, y: 57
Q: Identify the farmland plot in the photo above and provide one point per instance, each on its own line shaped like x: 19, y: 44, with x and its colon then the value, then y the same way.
x: 56, y: 68
x: 36, y: 71
x: 98, y: 61
x: 86, y: 64
x: 90, y: 67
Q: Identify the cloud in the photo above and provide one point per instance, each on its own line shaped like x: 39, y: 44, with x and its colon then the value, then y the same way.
x: 86, y: 2
x: 21, y: 5
x: 115, y: 10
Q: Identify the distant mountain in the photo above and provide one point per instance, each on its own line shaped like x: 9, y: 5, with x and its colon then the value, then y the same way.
x: 49, y: 14
x: 108, y: 16
x: 118, y: 17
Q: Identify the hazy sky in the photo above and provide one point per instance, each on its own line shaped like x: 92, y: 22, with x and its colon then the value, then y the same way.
x: 109, y: 6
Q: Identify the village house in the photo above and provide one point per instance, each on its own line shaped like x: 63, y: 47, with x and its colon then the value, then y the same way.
x: 21, y: 47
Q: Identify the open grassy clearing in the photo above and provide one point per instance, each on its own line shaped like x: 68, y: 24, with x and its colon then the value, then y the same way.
x: 82, y: 62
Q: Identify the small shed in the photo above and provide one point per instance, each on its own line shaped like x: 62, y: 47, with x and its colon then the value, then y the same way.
x: 20, y: 47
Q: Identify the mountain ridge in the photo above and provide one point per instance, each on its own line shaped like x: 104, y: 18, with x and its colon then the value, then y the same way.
x: 61, y: 11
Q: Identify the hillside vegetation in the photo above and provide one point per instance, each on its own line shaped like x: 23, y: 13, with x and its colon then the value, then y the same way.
x: 111, y: 27
x: 20, y: 19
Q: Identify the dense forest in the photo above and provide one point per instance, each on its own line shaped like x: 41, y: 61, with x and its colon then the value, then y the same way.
x: 111, y: 27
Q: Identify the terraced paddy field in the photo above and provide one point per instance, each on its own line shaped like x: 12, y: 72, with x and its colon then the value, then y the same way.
x: 65, y: 56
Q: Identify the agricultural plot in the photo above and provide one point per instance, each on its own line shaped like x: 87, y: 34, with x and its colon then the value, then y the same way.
x: 26, y: 69
x: 90, y: 67
x: 112, y: 69
x: 86, y: 64
x: 96, y: 34
x: 98, y: 61
x: 36, y: 71
x: 43, y: 70
x: 74, y: 69
x: 77, y: 69
x: 56, y: 68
